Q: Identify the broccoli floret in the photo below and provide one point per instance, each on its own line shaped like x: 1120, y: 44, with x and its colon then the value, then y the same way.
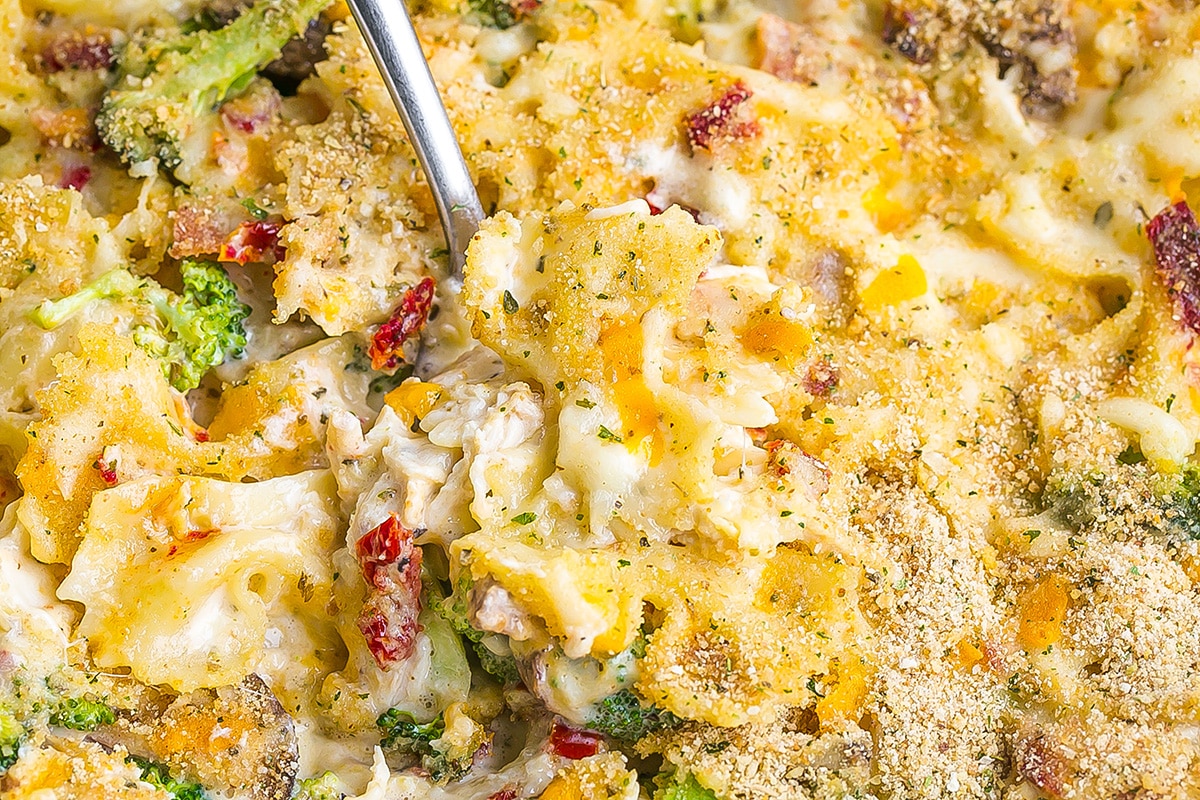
x: 323, y: 787
x: 158, y: 775
x: 81, y: 714
x: 444, y: 757
x: 1129, y: 497
x: 453, y: 609
x: 403, y: 732
x: 164, y: 84
x: 189, y: 333
x: 672, y: 788
x: 11, y: 736
x: 1183, y: 504
x: 622, y: 716
x: 503, y: 667
x: 495, y: 13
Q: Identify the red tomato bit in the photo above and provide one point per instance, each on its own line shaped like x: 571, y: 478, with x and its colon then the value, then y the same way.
x: 107, y: 470
x: 721, y: 119
x: 391, y: 565
x: 251, y: 241
x: 1175, y: 237
x: 573, y: 743
x: 390, y: 627
x: 75, y: 177
x: 387, y: 346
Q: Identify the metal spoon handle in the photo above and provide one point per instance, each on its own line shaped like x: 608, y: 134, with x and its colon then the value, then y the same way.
x: 389, y: 34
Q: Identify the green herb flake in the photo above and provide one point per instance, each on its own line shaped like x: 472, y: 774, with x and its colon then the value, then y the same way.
x: 608, y: 435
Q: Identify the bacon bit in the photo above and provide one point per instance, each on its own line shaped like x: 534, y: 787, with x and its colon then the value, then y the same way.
x: 78, y: 50
x: 75, y: 177
x: 1175, y: 237
x: 391, y: 565
x: 718, y: 121
x: 107, y: 469
x: 197, y: 231
x: 1038, y: 763
x: 573, y: 743
x: 821, y: 379
x: 387, y: 346
x: 251, y: 241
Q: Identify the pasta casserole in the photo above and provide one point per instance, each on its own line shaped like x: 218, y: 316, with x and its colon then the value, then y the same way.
x: 816, y: 416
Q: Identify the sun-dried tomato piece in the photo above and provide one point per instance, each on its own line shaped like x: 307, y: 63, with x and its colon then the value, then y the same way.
x: 107, y: 469
x: 573, y: 743
x: 390, y: 627
x: 391, y: 564
x: 722, y: 119
x: 507, y: 793
x: 1175, y: 237
x: 78, y: 50
x: 387, y: 345
x: 385, y: 544
x: 251, y: 241
x: 75, y: 177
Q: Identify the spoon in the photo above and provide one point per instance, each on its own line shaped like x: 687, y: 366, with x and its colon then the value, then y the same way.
x: 393, y: 43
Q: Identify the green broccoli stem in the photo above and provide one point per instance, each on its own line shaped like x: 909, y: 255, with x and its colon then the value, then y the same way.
x: 217, y: 62
x: 188, y: 334
x: 114, y: 283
